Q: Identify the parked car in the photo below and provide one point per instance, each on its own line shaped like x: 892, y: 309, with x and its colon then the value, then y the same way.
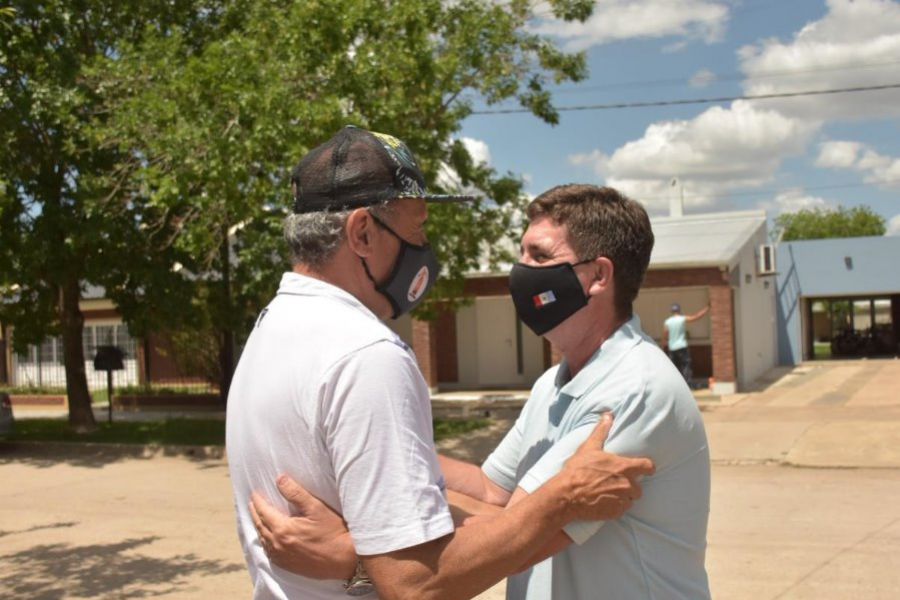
x: 6, y: 415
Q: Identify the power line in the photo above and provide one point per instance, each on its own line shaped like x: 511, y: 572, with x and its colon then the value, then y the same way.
x: 775, y: 191
x: 717, y: 78
x: 621, y: 105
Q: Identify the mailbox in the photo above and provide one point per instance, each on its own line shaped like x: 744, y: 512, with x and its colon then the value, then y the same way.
x: 109, y: 358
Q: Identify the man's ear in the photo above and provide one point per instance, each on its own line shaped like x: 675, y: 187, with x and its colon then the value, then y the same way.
x: 359, y: 230
x: 603, y: 276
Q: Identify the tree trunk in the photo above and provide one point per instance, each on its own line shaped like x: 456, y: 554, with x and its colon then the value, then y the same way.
x: 226, y: 350
x: 81, y: 416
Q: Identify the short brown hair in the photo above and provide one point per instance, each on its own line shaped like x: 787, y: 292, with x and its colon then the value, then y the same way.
x: 603, y: 222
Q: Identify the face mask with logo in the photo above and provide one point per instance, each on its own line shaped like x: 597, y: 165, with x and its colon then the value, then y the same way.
x: 546, y: 296
x: 413, y: 275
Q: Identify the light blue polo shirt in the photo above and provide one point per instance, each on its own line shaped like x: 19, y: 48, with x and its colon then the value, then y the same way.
x: 657, y: 550
x: 677, y: 326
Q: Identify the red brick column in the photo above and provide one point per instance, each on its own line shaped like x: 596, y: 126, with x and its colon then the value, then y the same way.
x: 425, y: 346
x: 721, y: 313
x: 446, y: 343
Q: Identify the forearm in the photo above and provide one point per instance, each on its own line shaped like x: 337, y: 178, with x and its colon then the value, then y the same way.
x: 465, y: 508
x: 467, y: 511
x: 481, y: 552
x: 470, y: 480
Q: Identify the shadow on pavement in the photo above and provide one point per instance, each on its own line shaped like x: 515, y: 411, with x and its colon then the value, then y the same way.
x: 100, y: 570
x: 45, y: 455
x: 475, y: 446
x: 60, y: 525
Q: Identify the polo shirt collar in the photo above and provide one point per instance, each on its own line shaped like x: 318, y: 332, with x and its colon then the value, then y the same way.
x: 295, y: 284
x: 602, y: 362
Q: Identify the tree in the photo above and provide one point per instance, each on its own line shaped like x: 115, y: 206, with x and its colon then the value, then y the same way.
x: 208, y: 133
x: 63, y: 221
x: 819, y: 223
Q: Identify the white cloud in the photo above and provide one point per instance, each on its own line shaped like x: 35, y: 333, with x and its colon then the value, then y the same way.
x: 744, y: 145
x: 794, y: 200
x: 722, y: 149
x: 594, y: 159
x: 702, y: 78
x: 893, y: 226
x: 838, y: 155
x: 857, y: 43
x: 616, y: 20
x: 876, y: 168
x: 478, y: 149
x: 449, y: 179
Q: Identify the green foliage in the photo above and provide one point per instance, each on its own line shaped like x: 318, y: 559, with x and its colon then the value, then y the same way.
x: 148, y: 143
x: 819, y: 223
x: 33, y: 390
x: 186, y: 432
x: 212, y: 131
x: 63, y: 221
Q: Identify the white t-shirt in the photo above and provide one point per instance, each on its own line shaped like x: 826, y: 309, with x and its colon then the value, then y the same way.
x: 327, y: 394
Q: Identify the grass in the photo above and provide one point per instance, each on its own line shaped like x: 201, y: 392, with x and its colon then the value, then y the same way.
x: 190, y: 432
x: 448, y: 428
x: 181, y: 432
x: 822, y: 349
x: 33, y: 390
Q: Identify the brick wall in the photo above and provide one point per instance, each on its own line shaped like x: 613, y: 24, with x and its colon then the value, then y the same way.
x: 4, y: 376
x: 718, y: 360
x: 487, y: 286
x: 100, y: 313
x: 657, y: 278
x: 425, y: 347
x: 446, y: 343
x: 721, y: 300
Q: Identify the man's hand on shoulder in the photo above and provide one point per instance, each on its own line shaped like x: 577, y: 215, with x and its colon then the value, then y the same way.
x: 315, y: 543
x: 601, y: 486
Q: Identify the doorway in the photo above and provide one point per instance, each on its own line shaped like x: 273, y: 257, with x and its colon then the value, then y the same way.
x: 852, y: 327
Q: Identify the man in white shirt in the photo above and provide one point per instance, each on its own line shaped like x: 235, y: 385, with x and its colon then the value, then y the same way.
x: 326, y: 394
x: 584, y: 257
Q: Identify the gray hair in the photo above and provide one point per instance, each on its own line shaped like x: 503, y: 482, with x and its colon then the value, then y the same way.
x: 313, y: 238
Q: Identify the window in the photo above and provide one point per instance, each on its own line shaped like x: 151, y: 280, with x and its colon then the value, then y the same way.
x: 883, y: 311
x: 862, y: 315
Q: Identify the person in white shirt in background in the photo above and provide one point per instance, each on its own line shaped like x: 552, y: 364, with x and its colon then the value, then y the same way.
x: 328, y: 396
x: 675, y: 339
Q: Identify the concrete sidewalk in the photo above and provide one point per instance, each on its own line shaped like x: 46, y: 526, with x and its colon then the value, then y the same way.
x: 828, y: 414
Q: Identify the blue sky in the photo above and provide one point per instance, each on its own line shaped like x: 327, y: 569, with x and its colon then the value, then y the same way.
x: 779, y: 155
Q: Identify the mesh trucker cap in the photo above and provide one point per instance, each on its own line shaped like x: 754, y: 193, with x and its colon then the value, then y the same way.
x: 358, y: 168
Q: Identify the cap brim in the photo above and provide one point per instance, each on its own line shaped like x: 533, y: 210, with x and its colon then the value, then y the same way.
x: 448, y: 198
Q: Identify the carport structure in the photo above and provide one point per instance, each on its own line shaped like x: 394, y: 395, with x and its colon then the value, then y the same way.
x: 838, y: 298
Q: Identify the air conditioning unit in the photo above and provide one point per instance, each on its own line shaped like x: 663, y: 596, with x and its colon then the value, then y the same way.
x: 766, y: 257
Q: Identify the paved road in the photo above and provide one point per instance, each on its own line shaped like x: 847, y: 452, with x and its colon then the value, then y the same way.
x: 100, y: 525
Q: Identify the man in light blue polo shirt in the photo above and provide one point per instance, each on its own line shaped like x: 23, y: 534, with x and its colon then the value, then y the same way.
x: 584, y: 256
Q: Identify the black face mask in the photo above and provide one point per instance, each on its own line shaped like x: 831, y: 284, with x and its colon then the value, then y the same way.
x: 414, y: 273
x: 546, y: 296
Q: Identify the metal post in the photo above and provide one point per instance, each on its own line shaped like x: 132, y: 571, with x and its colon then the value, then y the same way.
x: 109, y: 392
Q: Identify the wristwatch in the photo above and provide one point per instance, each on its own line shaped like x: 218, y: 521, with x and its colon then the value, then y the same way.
x: 359, y: 584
